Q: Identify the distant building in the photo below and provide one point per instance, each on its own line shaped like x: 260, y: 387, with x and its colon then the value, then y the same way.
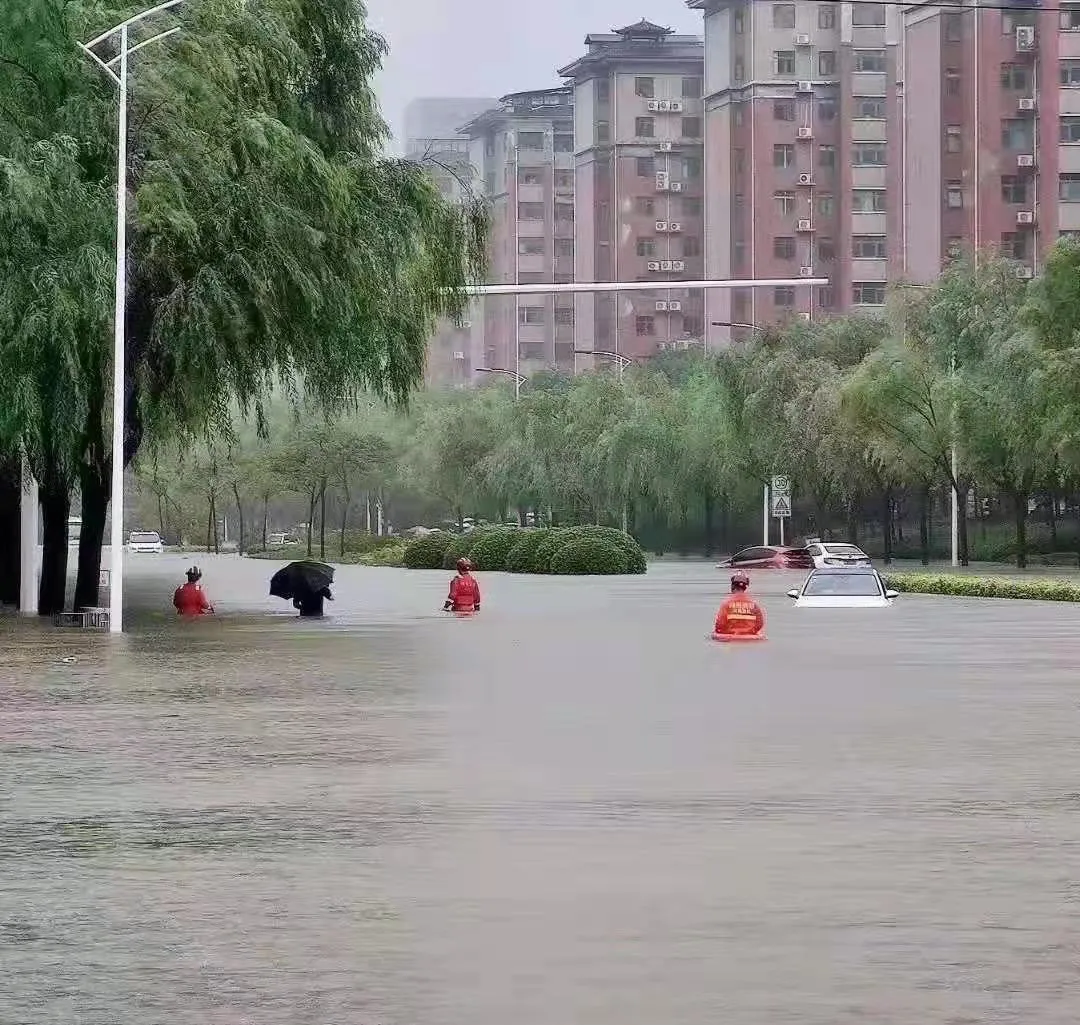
x: 523, y: 150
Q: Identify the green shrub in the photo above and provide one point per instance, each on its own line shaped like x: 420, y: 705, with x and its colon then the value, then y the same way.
x: 460, y: 547
x: 635, y: 557
x: 959, y: 585
x: 489, y: 553
x: 520, y: 557
x: 383, y: 555
x: 589, y: 556
x: 427, y: 552
x: 546, y: 549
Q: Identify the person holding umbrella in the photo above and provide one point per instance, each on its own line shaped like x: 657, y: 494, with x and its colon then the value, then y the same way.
x: 306, y: 585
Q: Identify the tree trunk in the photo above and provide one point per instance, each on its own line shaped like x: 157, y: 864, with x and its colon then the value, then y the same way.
x: 523, y: 516
x: 631, y: 519
x: 55, y: 510
x: 1051, y: 519
x: 94, y: 492
x: 962, y: 525
x: 209, y: 525
x: 1020, y: 511
x: 924, y: 524
x: 313, y: 497
x: 852, y: 522
x: 887, y: 525
x: 10, y: 530
x: 322, y: 521
x: 239, y: 518
x: 161, y: 516
x: 213, y: 520
x: 346, y: 502
x: 710, y: 545
x: 266, y: 518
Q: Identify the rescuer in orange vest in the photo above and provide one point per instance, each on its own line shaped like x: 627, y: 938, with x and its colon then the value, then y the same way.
x: 740, y: 617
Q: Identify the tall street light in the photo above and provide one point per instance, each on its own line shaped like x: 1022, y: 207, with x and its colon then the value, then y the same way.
x: 621, y: 361
x: 116, y: 67
x: 519, y: 380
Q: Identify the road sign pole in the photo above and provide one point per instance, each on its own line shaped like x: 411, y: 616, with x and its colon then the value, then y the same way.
x: 765, y: 516
x: 781, y: 531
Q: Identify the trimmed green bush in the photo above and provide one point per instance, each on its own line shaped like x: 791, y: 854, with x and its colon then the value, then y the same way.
x: 958, y: 585
x: 635, y: 557
x: 427, y: 552
x: 546, y: 549
x: 461, y: 546
x: 384, y: 555
x: 489, y: 553
x: 520, y: 557
x: 589, y: 556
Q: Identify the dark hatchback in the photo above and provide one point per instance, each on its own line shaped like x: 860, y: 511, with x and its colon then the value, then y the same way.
x: 769, y: 557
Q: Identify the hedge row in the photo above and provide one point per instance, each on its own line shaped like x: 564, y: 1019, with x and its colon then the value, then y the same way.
x: 961, y: 586
x: 564, y: 550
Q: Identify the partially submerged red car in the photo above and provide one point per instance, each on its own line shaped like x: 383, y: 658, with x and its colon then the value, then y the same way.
x: 769, y: 557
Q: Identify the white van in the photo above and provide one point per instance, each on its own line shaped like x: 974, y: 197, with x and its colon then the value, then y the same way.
x: 146, y: 542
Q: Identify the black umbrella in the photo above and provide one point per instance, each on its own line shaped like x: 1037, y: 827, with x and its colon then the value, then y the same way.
x: 301, y: 578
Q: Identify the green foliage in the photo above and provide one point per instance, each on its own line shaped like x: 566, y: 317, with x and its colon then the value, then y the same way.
x: 589, y: 556
x: 490, y: 552
x: 386, y: 555
x: 547, y: 547
x: 460, y: 547
x: 426, y: 552
x: 519, y: 559
x: 963, y: 586
x: 635, y: 557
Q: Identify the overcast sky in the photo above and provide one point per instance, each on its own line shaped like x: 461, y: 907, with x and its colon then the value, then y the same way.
x: 493, y: 47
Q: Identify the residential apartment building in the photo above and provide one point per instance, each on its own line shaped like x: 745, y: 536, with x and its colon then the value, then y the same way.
x: 638, y: 188
x: 992, y: 132
x: 523, y: 151
x: 803, y: 156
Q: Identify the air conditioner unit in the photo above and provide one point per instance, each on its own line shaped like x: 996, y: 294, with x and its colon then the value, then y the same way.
x: 1026, y: 273
x: 1025, y: 37
x: 676, y: 225
x: 678, y: 265
x: 665, y: 264
x: 804, y: 225
x: 676, y: 186
x: 653, y: 265
x: 663, y: 346
x: 806, y: 179
x: 1026, y: 103
x: 805, y: 87
x: 664, y: 105
x: 653, y: 105
x: 675, y: 306
x: 802, y: 39
x: 1025, y: 216
x: 662, y: 181
x: 661, y: 225
x: 677, y: 106
x: 1025, y: 160
x: 665, y: 146
x: 459, y: 355
x: 804, y: 315
x: 682, y: 346
x: 806, y: 132
x: 806, y: 272
x: 661, y: 305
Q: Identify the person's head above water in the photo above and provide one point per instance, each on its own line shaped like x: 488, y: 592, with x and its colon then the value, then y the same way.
x: 463, y: 565
x: 194, y: 575
x: 739, y: 581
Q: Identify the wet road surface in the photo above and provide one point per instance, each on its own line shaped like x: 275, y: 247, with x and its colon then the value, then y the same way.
x: 571, y: 809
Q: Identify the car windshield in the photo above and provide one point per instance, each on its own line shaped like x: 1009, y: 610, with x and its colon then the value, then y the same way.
x: 842, y: 550
x: 847, y: 585
x: 145, y: 538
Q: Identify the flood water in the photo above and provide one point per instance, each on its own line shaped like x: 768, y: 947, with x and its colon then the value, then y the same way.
x: 570, y: 810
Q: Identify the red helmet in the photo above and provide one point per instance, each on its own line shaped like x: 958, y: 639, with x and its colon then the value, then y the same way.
x: 463, y: 565
x: 739, y: 581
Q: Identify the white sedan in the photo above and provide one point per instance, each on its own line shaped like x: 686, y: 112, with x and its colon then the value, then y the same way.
x: 835, y: 553
x: 859, y: 587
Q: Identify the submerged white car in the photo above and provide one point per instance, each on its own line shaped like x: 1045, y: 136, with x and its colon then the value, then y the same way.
x: 836, y: 553
x: 146, y: 542
x: 855, y: 587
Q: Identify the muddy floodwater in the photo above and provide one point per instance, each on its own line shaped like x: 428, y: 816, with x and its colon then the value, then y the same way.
x: 573, y: 809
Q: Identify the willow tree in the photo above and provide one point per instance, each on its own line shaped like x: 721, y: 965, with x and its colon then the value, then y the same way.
x: 271, y: 242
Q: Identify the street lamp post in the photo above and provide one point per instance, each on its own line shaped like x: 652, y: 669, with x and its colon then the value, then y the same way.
x: 120, y: 78
x: 621, y: 361
x: 519, y: 380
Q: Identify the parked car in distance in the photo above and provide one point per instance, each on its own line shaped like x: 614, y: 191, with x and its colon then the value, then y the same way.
x: 855, y: 587
x: 146, y: 542
x: 281, y: 541
x: 769, y: 557
x: 837, y: 553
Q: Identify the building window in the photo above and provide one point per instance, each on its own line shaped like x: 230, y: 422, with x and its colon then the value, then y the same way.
x: 869, y: 247
x: 826, y: 109
x: 1069, y: 188
x: 1014, y: 245
x: 1015, y: 77
x: 783, y: 110
x: 564, y: 179
x: 868, y: 154
x: 530, y: 246
x: 738, y: 161
x: 738, y: 71
x: 1070, y: 233
x: 645, y: 326
x: 784, y: 63
x: 783, y: 155
x: 738, y: 25
x: 564, y: 212
x: 563, y: 143
x: 868, y: 108
x: 783, y: 15
x: 1069, y: 129
x: 564, y: 247
x: 530, y: 211
x: 871, y: 62
x: 826, y: 156
x: 954, y: 28
x: 952, y: 82
x: 644, y: 127
x: 868, y: 293
x: 692, y: 325
x: 691, y: 167
x: 603, y: 90
x: 603, y: 131
x: 691, y: 206
x: 691, y: 128
x: 564, y: 315
x: 531, y: 314
x: 645, y: 87
x: 826, y: 250
x: 954, y: 139
x: 954, y: 195
x: 1016, y: 135
x: 1070, y: 19
x: 1069, y: 74
x: 825, y: 297
x: 826, y: 205
x: 645, y: 205
x: 1013, y: 189
x: 868, y: 201
x: 691, y: 88
x: 783, y: 248
x: 868, y: 15
x: 530, y: 176
x: 531, y: 140
x: 691, y: 246
x: 784, y: 203
x: 826, y: 16
x: 646, y: 247
x: 784, y: 295
x: 646, y: 167
x: 826, y: 63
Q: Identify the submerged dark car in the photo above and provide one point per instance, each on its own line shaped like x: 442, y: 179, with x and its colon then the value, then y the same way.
x: 769, y: 557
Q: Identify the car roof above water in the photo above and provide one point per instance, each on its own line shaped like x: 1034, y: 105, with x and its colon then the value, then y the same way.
x: 843, y: 571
